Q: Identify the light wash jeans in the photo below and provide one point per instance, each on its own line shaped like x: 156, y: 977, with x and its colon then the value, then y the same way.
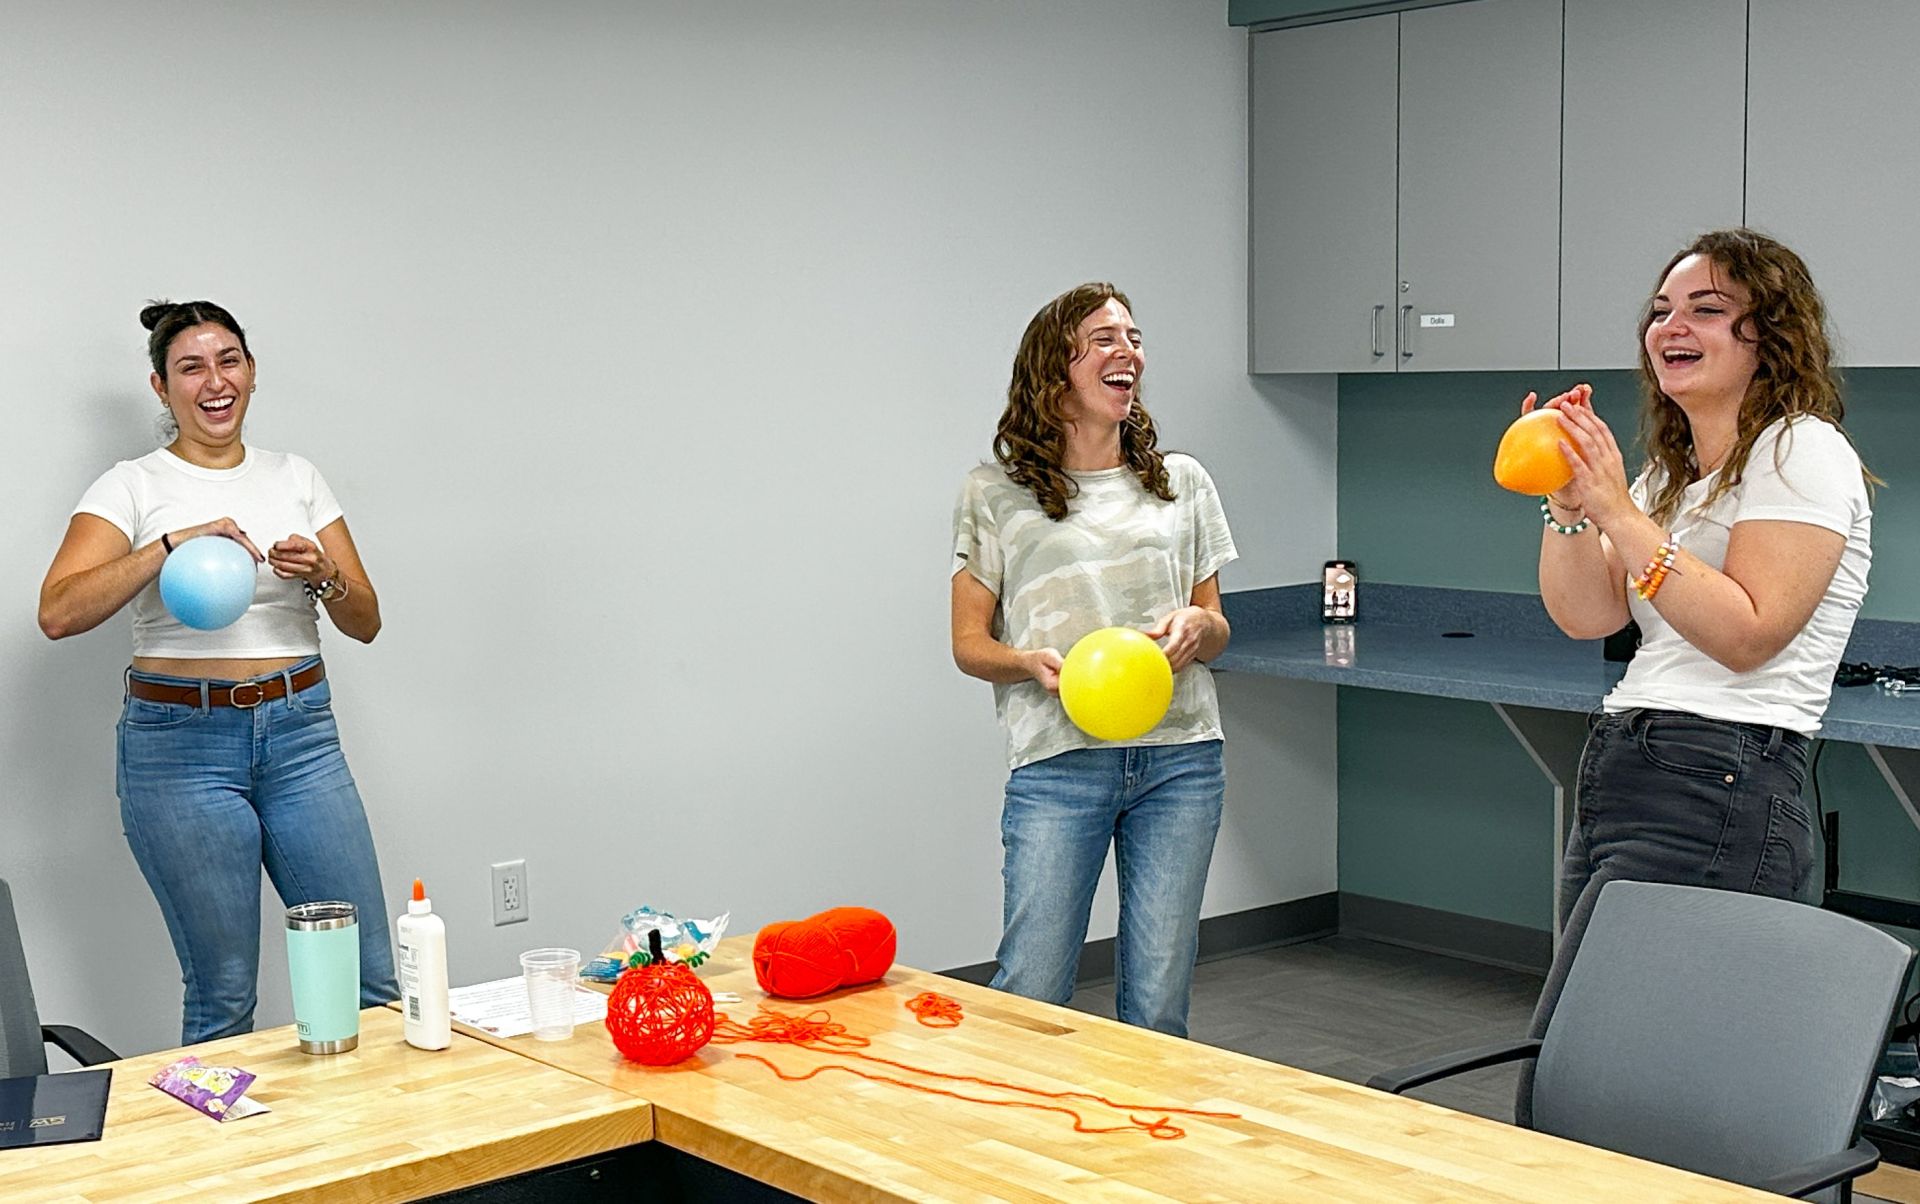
x: 1160, y: 808
x: 208, y: 794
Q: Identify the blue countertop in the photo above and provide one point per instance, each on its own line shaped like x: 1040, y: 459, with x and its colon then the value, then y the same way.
x: 1500, y: 647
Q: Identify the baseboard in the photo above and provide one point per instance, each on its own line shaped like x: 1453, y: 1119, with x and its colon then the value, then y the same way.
x: 1220, y: 936
x: 1492, y: 942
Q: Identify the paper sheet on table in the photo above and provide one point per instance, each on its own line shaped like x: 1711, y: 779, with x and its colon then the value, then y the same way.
x: 500, y: 1007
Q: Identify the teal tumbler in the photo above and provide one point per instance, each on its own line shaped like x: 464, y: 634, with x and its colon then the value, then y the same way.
x: 323, y: 956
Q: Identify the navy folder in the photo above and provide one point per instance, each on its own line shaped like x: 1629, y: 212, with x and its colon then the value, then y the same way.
x: 47, y: 1109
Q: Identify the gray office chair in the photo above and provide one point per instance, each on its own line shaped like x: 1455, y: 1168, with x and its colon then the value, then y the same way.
x: 1725, y: 1033
x: 23, y: 1039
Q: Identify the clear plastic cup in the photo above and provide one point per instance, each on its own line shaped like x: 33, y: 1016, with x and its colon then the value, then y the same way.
x: 550, y: 986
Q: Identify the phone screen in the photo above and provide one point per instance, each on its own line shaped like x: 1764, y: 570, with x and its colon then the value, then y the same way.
x: 1338, y: 587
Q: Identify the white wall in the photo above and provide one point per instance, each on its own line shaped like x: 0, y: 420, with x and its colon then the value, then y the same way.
x: 646, y: 344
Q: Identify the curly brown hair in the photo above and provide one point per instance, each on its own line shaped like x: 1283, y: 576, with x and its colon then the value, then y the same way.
x: 1786, y: 322
x: 1031, y: 441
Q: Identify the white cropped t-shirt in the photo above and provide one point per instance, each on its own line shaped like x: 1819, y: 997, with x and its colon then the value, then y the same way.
x: 271, y: 495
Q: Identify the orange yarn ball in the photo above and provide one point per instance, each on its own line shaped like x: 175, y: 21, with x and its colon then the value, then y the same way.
x: 659, y: 1014
x: 841, y: 947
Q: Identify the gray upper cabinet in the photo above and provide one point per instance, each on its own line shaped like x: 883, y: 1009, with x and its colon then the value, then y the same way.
x: 1480, y: 186
x: 1404, y: 191
x: 1653, y: 133
x: 1833, y: 160
x: 1474, y: 187
x: 1321, y: 194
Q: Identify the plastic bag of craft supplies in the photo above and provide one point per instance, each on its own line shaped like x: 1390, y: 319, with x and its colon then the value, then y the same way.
x: 689, y: 941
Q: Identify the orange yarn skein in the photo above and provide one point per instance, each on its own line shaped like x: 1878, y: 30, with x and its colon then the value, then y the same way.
x: 840, y: 947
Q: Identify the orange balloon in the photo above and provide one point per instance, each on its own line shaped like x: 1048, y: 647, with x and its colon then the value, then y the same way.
x: 1530, y: 459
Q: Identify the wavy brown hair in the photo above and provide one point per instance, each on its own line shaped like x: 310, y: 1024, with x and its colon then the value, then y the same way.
x: 1031, y: 441
x: 1786, y: 321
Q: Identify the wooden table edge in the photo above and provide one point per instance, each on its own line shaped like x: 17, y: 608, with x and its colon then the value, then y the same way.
x: 617, y: 1125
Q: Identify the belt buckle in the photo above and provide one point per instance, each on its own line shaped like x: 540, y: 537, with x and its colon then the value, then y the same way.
x: 259, y: 694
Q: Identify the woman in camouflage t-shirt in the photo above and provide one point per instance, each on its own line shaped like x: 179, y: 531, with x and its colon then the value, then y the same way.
x: 1082, y: 524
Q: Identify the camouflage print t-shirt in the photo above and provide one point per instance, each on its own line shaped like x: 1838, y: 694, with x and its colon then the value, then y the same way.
x: 1121, y: 558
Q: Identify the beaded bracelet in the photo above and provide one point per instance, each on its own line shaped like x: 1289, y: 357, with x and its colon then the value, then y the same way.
x: 331, y: 590
x: 1648, y: 583
x: 1546, y: 513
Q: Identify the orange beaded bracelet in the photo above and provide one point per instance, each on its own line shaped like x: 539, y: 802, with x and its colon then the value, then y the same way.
x: 1648, y: 583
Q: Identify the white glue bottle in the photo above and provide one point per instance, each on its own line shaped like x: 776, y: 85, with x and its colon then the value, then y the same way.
x: 423, y: 973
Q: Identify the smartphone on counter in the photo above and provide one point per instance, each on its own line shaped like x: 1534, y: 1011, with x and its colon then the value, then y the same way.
x: 1339, y: 587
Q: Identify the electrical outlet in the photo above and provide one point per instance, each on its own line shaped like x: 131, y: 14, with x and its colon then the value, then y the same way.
x: 509, y: 892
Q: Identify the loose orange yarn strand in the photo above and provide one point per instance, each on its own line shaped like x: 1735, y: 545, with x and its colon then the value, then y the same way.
x: 935, y: 1010
x: 818, y: 1031
x: 782, y: 1028
x: 1086, y: 1095
x: 1161, y: 1128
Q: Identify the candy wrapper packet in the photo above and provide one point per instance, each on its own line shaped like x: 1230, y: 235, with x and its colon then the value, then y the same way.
x: 218, y: 1091
x: 688, y: 941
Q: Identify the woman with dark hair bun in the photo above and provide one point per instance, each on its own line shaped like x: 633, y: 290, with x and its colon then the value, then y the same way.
x: 1741, y: 551
x: 1083, y: 524
x: 229, y: 757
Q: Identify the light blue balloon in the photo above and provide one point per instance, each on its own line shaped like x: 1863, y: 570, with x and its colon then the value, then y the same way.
x: 207, y: 582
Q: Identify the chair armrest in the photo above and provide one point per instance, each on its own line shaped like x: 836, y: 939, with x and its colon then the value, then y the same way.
x: 1810, y: 1177
x: 1404, y: 1078
x: 83, y: 1047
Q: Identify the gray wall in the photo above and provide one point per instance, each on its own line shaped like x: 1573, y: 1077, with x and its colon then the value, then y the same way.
x: 645, y: 344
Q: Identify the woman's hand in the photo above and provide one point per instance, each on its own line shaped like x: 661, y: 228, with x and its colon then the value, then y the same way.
x: 1182, y: 630
x: 297, y: 556
x: 1579, y: 395
x: 225, y: 527
x: 1599, y: 484
x: 1043, y: 665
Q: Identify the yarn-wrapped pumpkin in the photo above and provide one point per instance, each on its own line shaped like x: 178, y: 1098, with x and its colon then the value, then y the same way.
x: 659, y: 1013
x: 840, y: 947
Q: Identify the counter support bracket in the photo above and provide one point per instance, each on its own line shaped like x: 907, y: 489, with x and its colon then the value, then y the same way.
x: 1554, y: 741
x: 1901, y: 769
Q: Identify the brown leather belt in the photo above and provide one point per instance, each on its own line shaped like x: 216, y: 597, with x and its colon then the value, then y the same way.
x: 242, y: 694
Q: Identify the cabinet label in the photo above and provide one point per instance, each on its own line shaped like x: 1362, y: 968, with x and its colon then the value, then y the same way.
x: 1431, y: 321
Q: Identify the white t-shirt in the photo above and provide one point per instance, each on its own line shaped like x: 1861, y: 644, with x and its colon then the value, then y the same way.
x: 1816, y: 480
x: 1120, y: 558
x: 271, y: 495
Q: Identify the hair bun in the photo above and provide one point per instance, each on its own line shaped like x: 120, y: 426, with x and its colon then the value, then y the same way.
x: 155, y: 310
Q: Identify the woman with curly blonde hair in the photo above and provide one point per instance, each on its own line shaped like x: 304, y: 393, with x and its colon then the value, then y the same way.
x: 1082, y: 524
x: 1741, y: 550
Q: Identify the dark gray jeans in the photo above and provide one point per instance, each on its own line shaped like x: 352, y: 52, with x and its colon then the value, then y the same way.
x: 1666, y: 796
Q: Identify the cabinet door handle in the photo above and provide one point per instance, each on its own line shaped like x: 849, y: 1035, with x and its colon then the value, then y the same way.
x: 1377, y: 310
x: 1406, y: 339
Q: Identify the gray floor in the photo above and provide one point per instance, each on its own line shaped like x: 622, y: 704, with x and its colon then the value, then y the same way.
x: 1349, y: 1008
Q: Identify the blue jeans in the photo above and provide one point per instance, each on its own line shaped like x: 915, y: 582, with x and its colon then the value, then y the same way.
x: 1159, y: 806
x: 208, y: 794
x: 1666, y: 796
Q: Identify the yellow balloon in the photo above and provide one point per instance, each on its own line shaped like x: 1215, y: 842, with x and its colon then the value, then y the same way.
x: 1116, y: 684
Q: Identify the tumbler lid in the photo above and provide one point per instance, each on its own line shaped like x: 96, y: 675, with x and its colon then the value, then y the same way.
x: 318, y: 917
